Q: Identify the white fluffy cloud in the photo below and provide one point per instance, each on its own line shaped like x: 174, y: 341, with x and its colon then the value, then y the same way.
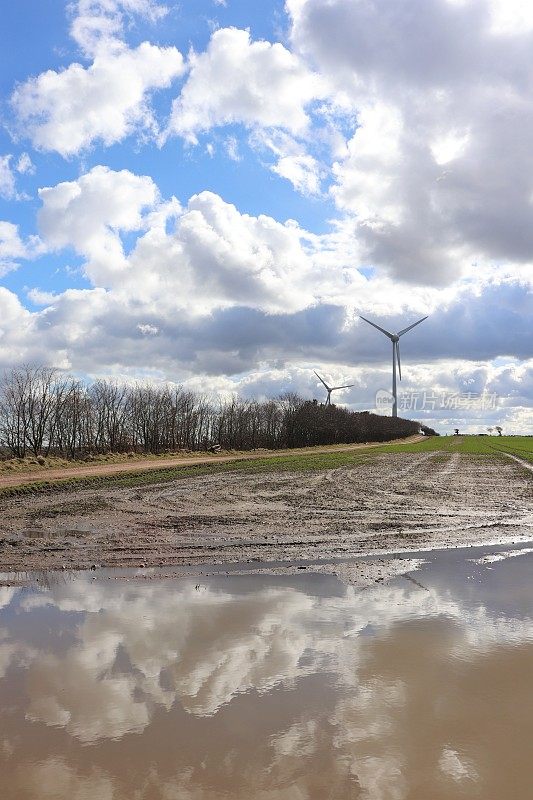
x: 89, y: 214
x: 293, y: 162
x: 67, y: 111
x: 303, y: 171
x: 8, y: 177
x: 98, y: 24
x: 214, y: 256
x: 237, y: 80
x: 437, y: 174
x: 229, y: 258
x: 12, y: 247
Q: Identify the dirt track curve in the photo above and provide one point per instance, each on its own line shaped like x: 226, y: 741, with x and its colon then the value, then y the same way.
x: 96, y: 470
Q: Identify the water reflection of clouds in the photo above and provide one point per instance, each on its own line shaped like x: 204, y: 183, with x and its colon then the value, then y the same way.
x: 200, y: 648
x: 204, y: 648
x: 54, y: 778
x: 11, y: 650
x: 146, y: 646
x: 7, y: 593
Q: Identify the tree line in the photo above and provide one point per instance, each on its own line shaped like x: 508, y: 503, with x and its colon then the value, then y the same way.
x: 44, y: 411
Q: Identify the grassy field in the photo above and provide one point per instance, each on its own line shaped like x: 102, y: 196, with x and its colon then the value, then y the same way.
x: 494, y: 446
x: 521, y: 446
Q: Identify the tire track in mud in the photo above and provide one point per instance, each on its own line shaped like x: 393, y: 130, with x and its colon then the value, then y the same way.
x: 526, y: 464
x: 390, y: 501
x: 407, y: 471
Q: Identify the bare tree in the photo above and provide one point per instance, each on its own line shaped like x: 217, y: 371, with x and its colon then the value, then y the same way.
x: 43, y: 410
x: 14, y: 411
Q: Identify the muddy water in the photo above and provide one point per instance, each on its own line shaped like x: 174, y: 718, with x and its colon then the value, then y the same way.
x: 275, y: 687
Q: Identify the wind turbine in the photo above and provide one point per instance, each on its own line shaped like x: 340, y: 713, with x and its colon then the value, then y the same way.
x: 395, y: 339
x: 331, y: 389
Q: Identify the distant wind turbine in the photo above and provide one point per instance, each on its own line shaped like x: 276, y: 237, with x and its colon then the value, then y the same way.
x: 331, y: 389
x: 395, y: 339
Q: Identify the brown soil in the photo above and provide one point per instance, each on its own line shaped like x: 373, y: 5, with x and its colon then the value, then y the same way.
x: 389, y: 502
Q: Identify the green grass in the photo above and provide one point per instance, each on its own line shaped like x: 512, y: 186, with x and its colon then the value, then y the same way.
x: 521, y: 446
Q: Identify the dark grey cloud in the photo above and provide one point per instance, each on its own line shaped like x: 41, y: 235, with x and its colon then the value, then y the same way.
x: 413, y: 42
x: 476, y: 326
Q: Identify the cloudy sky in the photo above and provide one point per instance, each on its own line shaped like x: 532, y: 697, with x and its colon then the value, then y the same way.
x: 212, y: 191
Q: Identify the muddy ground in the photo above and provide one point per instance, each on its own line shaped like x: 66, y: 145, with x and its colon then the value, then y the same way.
x: 388, y: 502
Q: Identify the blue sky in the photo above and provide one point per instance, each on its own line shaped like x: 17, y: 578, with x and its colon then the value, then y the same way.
x: 212, y: 192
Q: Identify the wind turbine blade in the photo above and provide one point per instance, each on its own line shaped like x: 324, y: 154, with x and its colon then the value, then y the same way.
x: 322, y: 380
x: 401, y: 333
x: 387, y: 333
x: 346, y: 386
x: 397, y: 345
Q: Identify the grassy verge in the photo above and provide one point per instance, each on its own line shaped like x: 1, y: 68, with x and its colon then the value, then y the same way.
x: 41, y: 465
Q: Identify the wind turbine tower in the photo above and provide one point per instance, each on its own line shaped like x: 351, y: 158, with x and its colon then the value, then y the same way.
x: 331, y: 389
x: 395, y: 339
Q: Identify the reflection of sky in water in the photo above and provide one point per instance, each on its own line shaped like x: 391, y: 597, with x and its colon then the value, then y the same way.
x: 270, y: 687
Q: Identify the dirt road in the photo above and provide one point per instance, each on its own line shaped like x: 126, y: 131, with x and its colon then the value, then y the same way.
x: 387, y: 502
x: 144, y: 465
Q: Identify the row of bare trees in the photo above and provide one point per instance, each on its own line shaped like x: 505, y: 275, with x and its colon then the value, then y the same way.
x: 44, y: 411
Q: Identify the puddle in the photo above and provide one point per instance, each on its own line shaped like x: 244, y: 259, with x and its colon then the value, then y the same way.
x: 272, y: 686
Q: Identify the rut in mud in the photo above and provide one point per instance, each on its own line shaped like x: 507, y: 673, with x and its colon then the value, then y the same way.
x: 386, y: 502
